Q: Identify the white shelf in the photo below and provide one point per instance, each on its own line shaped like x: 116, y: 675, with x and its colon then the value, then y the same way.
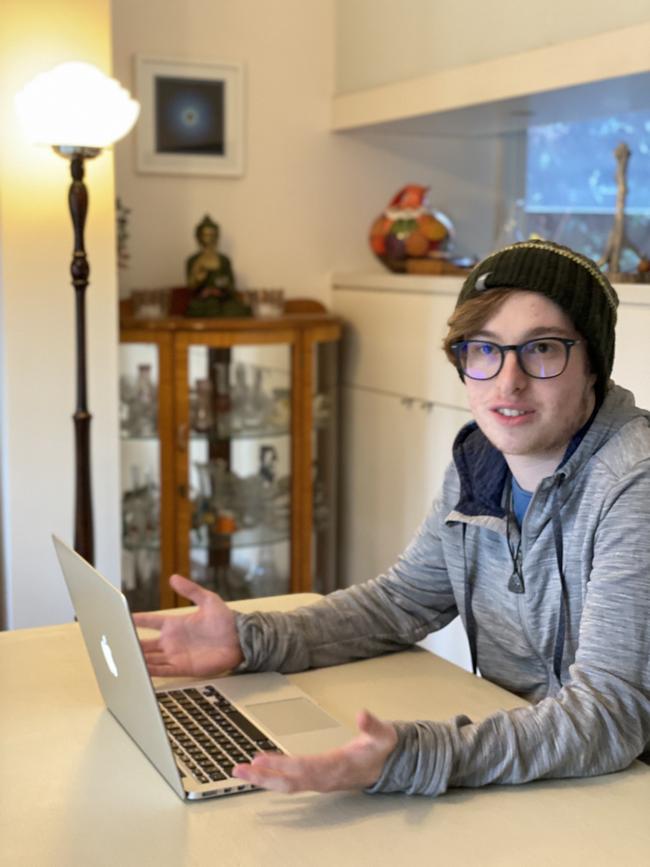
x: 601, y: 74
x: 630, y: 294
x: 386, y: 281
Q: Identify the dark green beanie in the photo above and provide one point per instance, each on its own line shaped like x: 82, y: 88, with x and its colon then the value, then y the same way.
x: 574, y: 282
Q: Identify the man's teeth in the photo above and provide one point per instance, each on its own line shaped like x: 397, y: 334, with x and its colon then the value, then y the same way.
x: 511, y: 412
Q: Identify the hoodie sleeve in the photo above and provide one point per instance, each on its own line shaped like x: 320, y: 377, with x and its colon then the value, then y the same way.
x: 388, y: 613
x: 599, y: 721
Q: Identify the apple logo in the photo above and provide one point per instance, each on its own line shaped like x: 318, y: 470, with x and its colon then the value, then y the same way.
x: 108, y: 656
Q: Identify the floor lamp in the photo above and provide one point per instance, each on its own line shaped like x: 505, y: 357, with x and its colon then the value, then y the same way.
x: 77, y: 110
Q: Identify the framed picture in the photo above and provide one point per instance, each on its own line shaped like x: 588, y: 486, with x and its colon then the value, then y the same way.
x: 191, y: 117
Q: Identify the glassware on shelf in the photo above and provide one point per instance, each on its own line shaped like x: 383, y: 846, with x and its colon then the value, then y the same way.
x: 251, y: 406
x: 245, y: 406
x: 238, y: 398
x: 227, y: 503
x: 141, y: 513
x: 139, y: 404
x: 222, y: 399
x: 216, y: 496
x: 321, y: 409
x: 126, y: 399
x: 254, y: 407
x: 263, y: 577
x: 274, y: 492
x: 146, y: 402
x: 266, y: 303
x: 202, y: 417
x: 280, y: 409
x: 249, y: 501
x: 150, y: 303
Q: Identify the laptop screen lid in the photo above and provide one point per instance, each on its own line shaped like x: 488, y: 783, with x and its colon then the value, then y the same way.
x: 116, y: 656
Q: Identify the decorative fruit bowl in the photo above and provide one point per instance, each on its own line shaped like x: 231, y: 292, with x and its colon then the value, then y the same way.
x: 409, y: 231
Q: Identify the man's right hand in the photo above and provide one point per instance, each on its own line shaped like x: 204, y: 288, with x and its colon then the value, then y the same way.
x: 199, y: 644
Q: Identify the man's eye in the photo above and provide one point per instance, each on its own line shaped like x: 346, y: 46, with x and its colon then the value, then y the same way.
x: 486, y: 348
x: 544, y: 347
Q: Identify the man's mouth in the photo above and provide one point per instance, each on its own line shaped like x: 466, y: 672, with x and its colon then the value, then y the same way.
x: 511, y: 413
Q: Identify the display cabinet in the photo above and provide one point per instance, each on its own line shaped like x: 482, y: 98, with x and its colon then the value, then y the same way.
x: 229, y: 431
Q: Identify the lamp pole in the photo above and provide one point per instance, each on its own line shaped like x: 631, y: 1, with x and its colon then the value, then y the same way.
x: 76, y: 102
x: 84, y: 543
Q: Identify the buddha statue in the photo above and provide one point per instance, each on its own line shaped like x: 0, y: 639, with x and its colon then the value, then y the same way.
x: 211, y: 278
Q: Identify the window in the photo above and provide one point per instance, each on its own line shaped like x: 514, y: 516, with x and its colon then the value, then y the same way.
x: 571, y: 188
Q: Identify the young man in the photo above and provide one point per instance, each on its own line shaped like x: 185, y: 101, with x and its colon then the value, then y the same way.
x: 539, y: 541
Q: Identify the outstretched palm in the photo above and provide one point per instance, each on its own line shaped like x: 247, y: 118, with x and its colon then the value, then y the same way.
x: 356, y: 765
x: 201, y: 643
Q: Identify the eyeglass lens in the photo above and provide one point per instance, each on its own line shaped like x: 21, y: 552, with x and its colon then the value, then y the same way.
x: 542, y: 359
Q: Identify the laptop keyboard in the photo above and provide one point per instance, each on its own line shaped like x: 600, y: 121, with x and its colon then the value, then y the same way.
x: 208, y: 733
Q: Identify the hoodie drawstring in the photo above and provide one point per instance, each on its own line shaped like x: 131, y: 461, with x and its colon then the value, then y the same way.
x: 469, y: 614
x: 470, y: 622
x: 564, y: 603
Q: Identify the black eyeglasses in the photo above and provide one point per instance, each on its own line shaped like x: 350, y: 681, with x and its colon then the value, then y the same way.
x: 542, y: 358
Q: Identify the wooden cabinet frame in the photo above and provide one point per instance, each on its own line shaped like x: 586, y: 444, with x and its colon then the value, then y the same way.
x: 173, y: 337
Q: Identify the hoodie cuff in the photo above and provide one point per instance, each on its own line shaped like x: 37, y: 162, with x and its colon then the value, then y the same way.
x: 247, y: 662
x: 421, y: 762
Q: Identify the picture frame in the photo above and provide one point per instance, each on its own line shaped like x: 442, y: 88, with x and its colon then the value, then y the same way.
x: 191, y: 117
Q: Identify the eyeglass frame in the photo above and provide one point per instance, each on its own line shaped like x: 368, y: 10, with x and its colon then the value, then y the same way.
x: 567, y: 342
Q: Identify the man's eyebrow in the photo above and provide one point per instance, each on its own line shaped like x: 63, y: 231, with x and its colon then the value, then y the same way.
x: 539, y: 331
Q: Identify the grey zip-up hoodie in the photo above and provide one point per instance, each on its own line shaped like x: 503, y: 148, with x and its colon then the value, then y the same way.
x: 587, y: 530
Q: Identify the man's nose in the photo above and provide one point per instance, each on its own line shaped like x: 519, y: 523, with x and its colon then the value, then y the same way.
x: 511, y: 378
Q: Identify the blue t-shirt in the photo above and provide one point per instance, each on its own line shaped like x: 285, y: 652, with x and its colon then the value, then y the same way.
x: 520, y: 500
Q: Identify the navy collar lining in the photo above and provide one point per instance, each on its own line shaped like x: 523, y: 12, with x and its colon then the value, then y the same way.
x: 483, y: 470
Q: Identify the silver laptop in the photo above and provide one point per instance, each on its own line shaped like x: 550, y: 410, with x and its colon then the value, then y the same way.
x: 193, y: 734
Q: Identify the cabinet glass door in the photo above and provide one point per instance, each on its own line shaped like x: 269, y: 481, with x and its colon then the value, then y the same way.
x: 238, y: 450
x: 140, y: 474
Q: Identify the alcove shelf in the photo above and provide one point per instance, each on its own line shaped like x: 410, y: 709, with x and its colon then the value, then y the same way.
x: 565, y: 81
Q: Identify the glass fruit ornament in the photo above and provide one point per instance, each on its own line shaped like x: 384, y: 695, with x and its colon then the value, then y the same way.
x: 410, y: 229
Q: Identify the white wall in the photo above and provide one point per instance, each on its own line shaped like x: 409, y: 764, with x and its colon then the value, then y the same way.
x: 37, y: 365
x: 381, y: 41
x: 306, y: 201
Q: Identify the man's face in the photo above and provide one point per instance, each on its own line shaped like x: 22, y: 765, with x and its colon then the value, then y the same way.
x: 547, y: 411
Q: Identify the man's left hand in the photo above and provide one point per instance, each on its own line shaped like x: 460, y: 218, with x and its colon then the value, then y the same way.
x: 356, y: 765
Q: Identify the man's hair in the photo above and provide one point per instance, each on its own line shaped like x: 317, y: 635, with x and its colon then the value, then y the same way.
x: 470, y: 317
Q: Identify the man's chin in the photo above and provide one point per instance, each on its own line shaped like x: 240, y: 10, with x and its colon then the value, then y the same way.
x: 512, y: 443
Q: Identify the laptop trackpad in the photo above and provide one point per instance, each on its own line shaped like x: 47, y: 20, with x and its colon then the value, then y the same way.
x: 292, y: 716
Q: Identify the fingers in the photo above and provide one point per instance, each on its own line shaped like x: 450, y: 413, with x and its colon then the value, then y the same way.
x: 150, y: 645
x: 163, y: 669
x: 149, y: 620
x: 274, y: 772
x: 377, y: 730
x: 157, y: 661
x: 281, y: 773
x: 368, y: 722
x: 188, y: 589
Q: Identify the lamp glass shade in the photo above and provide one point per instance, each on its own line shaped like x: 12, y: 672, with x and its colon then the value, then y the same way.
x: 76, y: 105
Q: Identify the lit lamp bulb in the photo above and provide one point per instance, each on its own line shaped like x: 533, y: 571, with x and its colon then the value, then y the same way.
x: 78, y: 110
x: 75, y: 106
